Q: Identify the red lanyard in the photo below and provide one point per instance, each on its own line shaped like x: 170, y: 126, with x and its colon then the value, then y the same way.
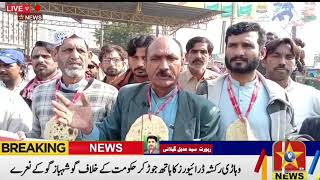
x: 161, y: 108
x: 76, y: 96
x: 234, y: 100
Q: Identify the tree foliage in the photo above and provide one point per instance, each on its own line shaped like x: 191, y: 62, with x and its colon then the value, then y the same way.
x: 121, y: 33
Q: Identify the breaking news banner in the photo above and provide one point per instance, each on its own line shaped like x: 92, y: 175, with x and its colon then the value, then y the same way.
x: 188, y: 160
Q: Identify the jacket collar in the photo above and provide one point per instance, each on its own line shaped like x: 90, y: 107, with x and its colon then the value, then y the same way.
x: 180, y: 130
x: 275, y: 91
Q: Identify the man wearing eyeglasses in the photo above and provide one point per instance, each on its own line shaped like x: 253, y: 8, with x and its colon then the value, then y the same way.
x: 136, y: 73
x: 93, y: 67
x: 112, y: 58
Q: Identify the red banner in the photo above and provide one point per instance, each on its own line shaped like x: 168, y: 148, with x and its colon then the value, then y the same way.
x: 19, y: 8
x: 133, y: 148
x: 186, y: 149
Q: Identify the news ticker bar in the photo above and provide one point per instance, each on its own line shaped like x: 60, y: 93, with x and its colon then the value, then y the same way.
x: 138, y: 148
x: 96, y: 148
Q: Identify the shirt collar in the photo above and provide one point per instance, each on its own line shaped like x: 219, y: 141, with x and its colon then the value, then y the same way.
x: 237, y: 84
x: 21, y: 85
x: 207, y: 74
x: 290, y: 84
x: 153, y: 94
x: 188, y: 75
x: 74, y: 87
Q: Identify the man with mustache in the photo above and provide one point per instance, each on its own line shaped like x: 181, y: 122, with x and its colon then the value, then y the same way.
x: 136, y: 60
x: 112, y: 58
x: 280, y: 62
x: 199, y: 51
x: 180, y: 115
x: 152, y: 145
x: 12, y: 70
x: 72, y: 55
x: 252, y: 107
x: 45, y: 68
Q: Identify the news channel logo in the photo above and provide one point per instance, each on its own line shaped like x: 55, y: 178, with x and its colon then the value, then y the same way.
x: 289, y: 160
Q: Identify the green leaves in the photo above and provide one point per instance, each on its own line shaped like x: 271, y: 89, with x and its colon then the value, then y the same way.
x: 121, y: 33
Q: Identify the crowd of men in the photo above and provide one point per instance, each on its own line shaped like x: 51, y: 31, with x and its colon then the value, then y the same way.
x: 257, y: 98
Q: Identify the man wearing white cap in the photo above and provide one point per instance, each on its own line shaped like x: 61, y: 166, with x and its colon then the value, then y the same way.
x: 72, y: 55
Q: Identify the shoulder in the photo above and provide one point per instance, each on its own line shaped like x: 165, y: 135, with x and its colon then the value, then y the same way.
x: 196, y: 100
x: 306, y: 88
x: 274, y: 89
x: 46, y: 87
x: 216, y: 81
x: 132, y: 89
x: 6, y: 94
x: 185, y: 75
x: 273, y: 86
x: 99, y: 85
x: 9, y: 97
x: 210, y: 75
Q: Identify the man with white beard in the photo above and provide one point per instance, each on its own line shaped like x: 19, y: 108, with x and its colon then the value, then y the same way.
x: 72, y: 55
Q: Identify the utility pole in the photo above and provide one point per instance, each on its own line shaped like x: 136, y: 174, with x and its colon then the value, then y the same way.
x: 294, y: 32
x: 102, y: 34
x: 234, y: 12
x: 223, y: 35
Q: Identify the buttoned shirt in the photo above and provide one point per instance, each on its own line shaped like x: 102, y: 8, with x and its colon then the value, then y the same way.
x: 258, y: 116
x: 188, y: 82
x: 305, y: 101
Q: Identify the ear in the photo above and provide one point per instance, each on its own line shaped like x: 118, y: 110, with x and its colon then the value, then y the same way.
x: 90, y: 54
x: 54, y: 54
x: 263, y: 62
x: 295, y: 66
x: 183, y: 59
x: 262, y: 53
x: 186, y: 57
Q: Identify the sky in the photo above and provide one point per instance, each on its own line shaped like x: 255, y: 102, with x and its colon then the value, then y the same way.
x: 308, y: 32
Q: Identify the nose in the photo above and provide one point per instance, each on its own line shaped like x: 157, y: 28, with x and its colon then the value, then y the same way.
x: 282, y: 60
x: 164, y: 65
x: 239, y: 51
x: 75, y: 54
x: 40, y: 59
x: 140, y: 62
x: 198, y: 54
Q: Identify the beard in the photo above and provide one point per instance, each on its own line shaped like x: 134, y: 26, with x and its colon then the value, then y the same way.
x: 236, y: 68
x: 140, y: 72
x: 44, y: 73
x: 74, y: 73
x: 113, y: 72
x: 73, y: 70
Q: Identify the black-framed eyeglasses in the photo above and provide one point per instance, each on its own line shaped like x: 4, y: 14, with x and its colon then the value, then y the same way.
x: 108, y: 60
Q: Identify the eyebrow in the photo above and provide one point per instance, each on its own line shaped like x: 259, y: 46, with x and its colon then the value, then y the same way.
x: 166, y: 55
